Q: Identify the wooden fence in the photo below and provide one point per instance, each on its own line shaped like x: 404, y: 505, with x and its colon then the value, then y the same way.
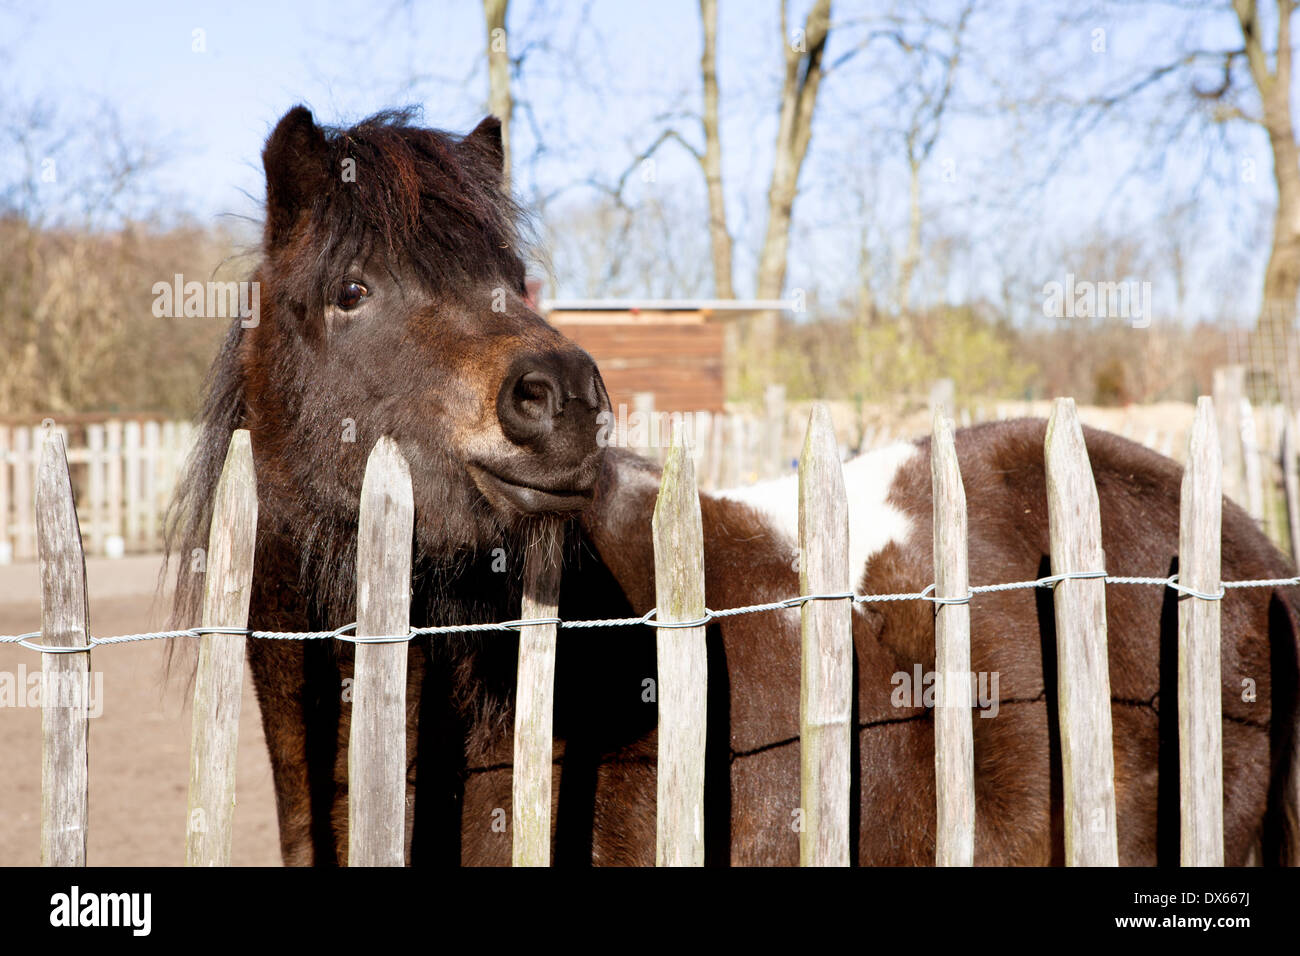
x: 123, y: 472
x: 378, y: 731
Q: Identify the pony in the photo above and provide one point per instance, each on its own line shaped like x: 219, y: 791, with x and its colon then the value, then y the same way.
x: 393, y: 302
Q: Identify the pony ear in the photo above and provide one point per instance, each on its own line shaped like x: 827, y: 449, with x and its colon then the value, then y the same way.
x: 485, y: 142
x: 297, y: 168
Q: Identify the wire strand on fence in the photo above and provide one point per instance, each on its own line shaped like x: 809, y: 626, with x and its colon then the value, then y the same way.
x: 648, y: 619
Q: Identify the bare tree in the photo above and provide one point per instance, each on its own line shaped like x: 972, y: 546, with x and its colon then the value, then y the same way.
x: 604, y: 248
x: 1273, y: 85
x: 719, y: 235
x: 922, y: 130
x: 500, y: 101
x: 82, y: 242
x: 1250, y: 83
x: 709, y: 158
x: 804, y: 52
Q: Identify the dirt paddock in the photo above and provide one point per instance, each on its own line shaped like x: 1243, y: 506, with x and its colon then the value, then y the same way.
x: 139, y: 745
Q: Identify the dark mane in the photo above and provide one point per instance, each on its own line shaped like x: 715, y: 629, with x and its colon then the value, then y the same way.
x: 421, y: 196
x: 189, y: 514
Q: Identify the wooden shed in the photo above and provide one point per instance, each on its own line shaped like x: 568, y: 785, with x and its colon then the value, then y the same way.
x: 679, y: 349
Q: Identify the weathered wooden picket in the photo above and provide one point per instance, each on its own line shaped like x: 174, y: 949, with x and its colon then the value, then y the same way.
x: 378, y: 754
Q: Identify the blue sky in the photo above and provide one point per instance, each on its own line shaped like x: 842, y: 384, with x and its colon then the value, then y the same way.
x: 207, y: 113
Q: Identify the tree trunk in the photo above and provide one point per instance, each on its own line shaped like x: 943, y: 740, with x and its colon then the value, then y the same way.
x: 803, y: 73
x: 719, y: 236
x: 500, y: 103
x: 864, y: 311
x: 1275, y: 346
x: 912, y: 253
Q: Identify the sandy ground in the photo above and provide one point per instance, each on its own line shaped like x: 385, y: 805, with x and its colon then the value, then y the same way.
x: 139, y: 746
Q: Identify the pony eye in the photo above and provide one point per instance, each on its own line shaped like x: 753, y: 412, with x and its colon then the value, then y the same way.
x: 350, y: 295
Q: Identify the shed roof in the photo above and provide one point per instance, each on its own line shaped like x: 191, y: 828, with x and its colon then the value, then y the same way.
x: 666, y: 305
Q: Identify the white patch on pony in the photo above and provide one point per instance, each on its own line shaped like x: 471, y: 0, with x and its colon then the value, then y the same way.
x: 868, y: 479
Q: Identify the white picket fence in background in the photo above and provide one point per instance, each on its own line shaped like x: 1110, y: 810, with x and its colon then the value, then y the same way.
x: 1259, y: 445
x: 123, y: 472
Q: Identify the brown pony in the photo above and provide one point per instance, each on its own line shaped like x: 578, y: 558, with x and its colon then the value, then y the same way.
x: 393, y: 303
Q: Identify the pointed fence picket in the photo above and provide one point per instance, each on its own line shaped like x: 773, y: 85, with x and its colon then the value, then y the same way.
x: 65, y: 677
x: 1200, y: 721
x: 954, y: 767
x: 1083, y: 680
x: 826, y: 698
x: 377, y: 757
x: 534, y: 703
x: 219, y: 681
x: 682, y: 662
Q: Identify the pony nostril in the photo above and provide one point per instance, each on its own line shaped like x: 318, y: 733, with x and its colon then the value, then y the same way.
x: 528, y: 404
x: 537, y: 396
